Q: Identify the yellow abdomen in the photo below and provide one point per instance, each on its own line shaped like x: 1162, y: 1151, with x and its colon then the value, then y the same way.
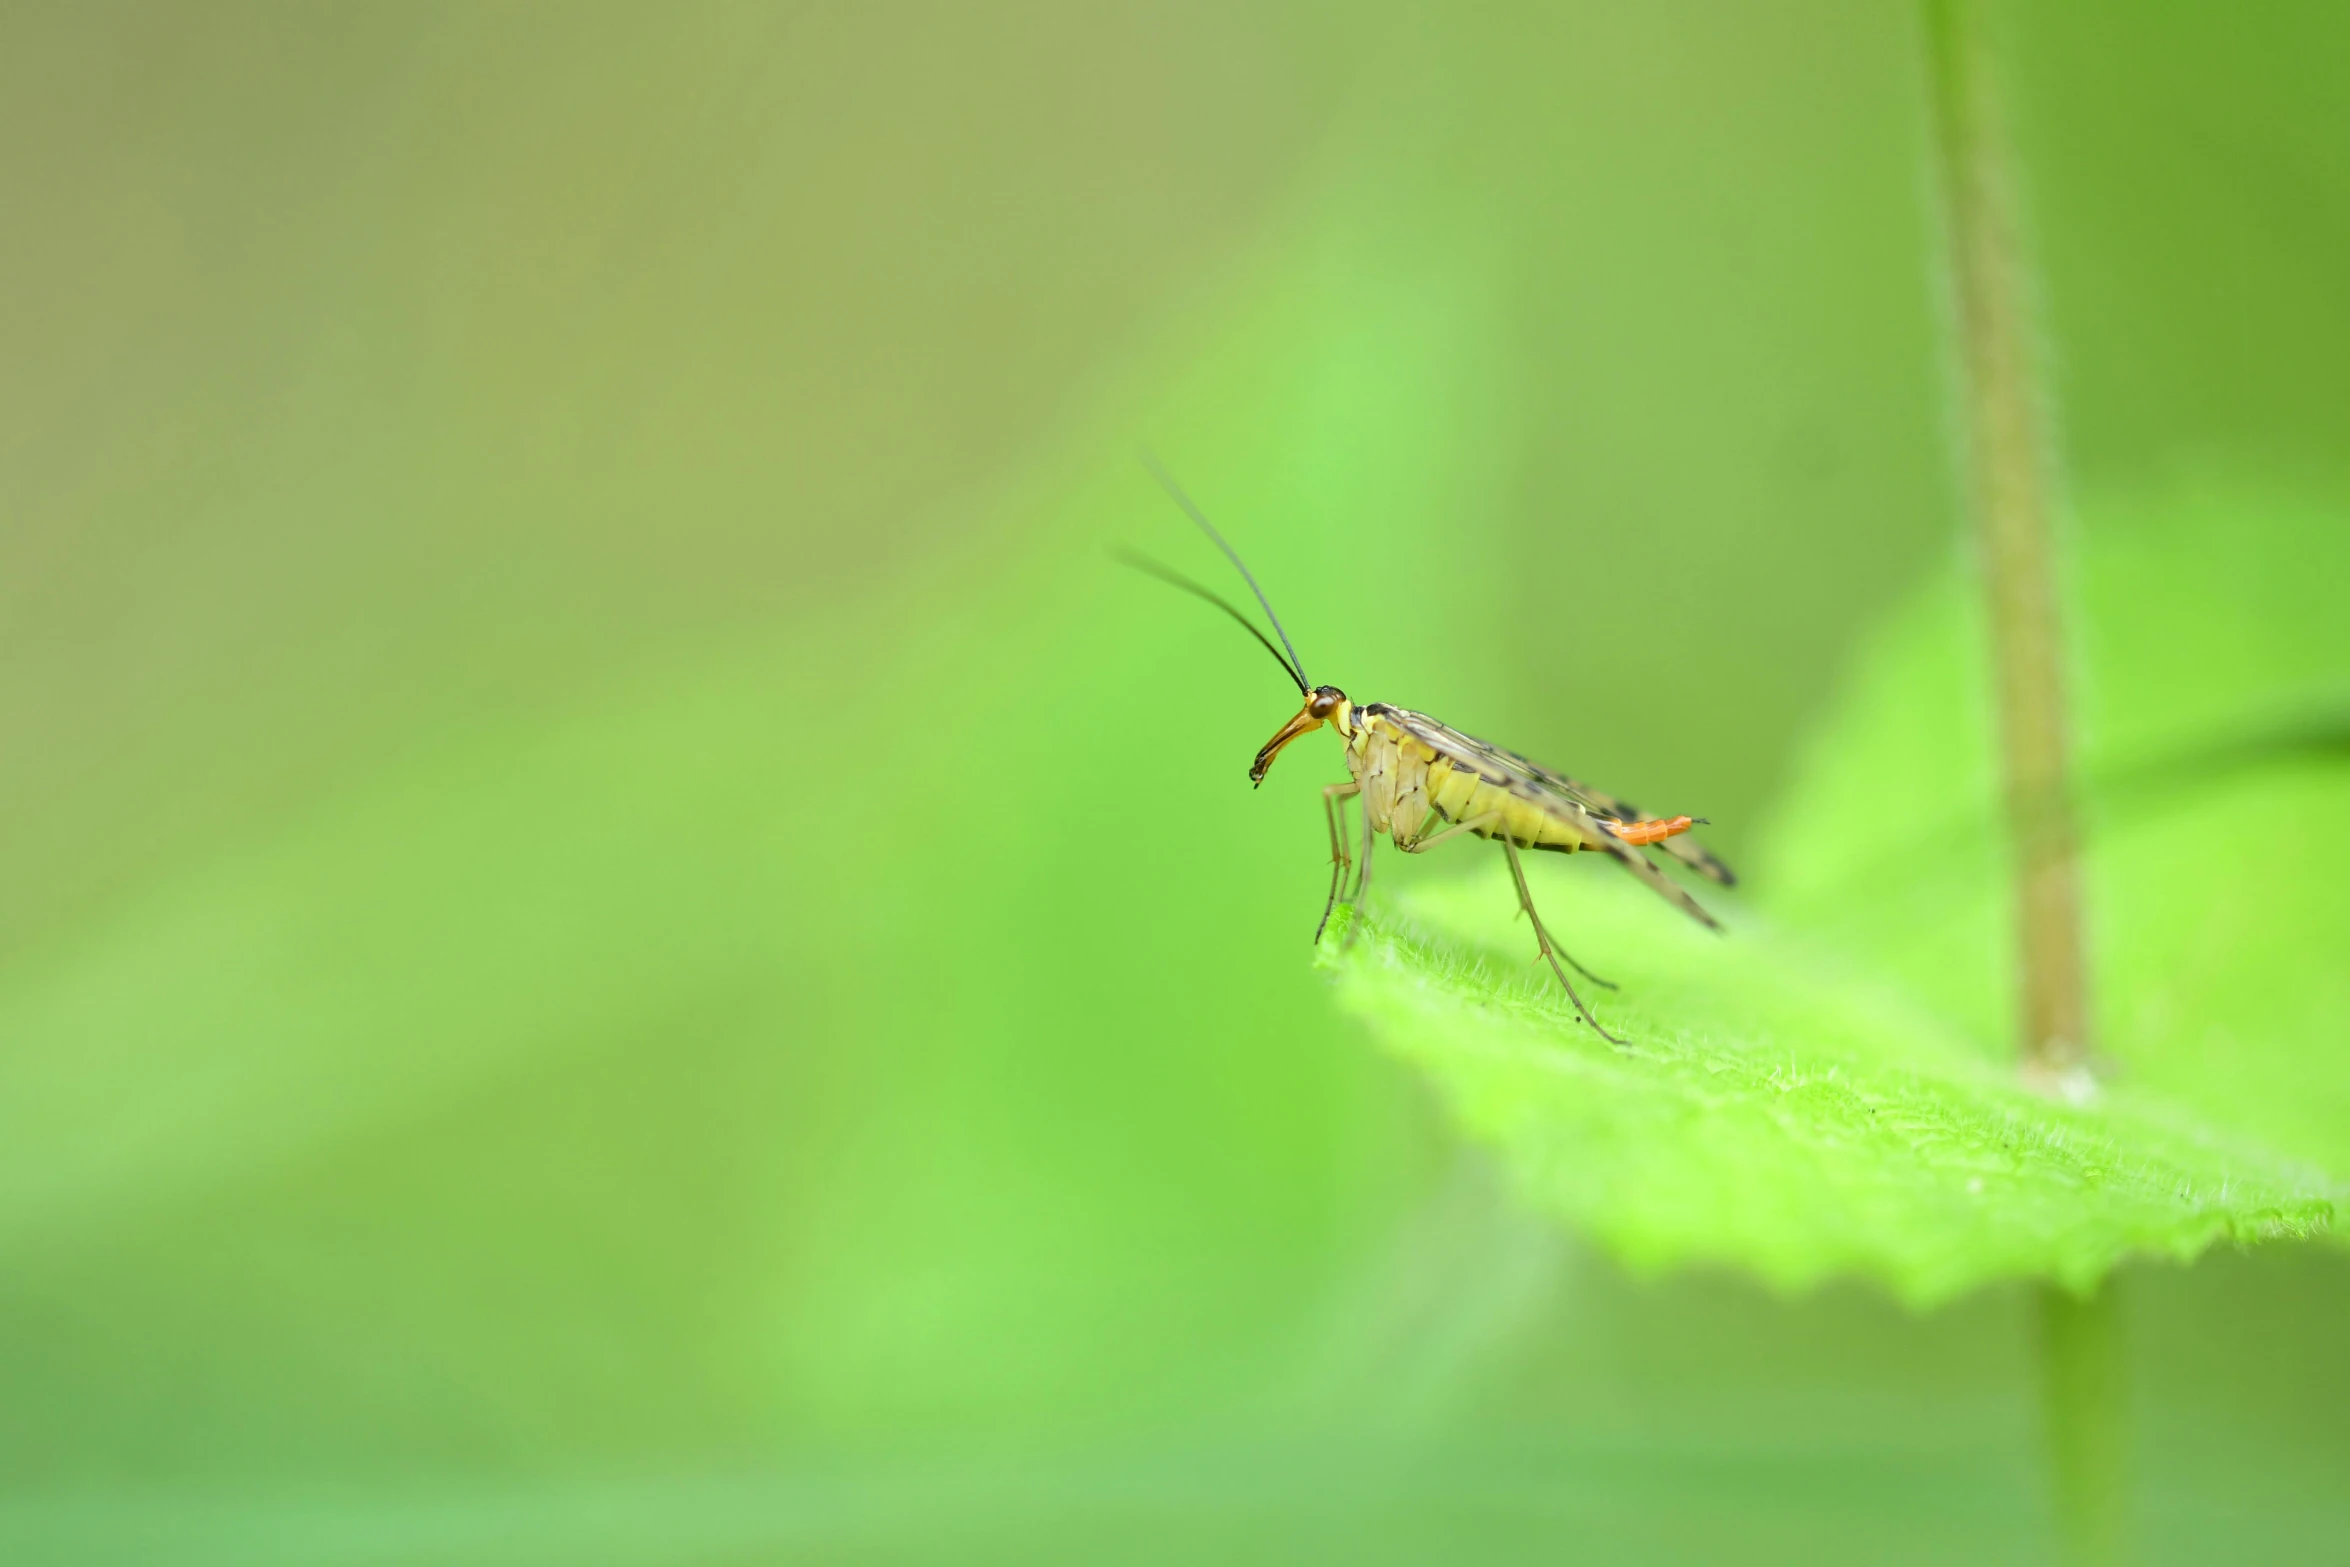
x: 1410, y: 792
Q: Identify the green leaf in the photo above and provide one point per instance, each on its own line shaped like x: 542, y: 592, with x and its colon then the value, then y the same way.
x: 1773, y: 1114
x: 1826, y: 1092
x: 2214, y: 722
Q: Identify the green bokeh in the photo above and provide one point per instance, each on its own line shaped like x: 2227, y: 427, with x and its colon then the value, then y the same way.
x: 619, y: 942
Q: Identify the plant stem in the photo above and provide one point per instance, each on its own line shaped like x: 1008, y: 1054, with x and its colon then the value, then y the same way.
x: 2007, y: 469
x: 2083, y: 1400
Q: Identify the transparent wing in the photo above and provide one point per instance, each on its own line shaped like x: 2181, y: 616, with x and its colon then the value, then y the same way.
x: 1581, y: 808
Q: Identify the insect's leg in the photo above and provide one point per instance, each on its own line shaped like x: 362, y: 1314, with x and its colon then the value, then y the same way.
x: 1542, y: 938
x: 1334, y: 801
x: 1454, y: 831
x: 1362, y: 878
x: 1487, y: 820
x: 1604, y: 984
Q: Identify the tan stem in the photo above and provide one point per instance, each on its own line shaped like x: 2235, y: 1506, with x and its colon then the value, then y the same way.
x: 2007, y: 469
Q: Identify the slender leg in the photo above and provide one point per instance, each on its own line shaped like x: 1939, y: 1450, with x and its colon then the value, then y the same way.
x: 1604, y: 984
x: 1423, y: 845
x: 1362, y: 879
x: 1334, y: 801
x: 1542, y: 937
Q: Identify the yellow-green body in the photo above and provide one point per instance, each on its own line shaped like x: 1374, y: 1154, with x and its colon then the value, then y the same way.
x: 1410, y: 788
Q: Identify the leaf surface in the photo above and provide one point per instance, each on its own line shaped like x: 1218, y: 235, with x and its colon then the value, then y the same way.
x: 1827, y: 1093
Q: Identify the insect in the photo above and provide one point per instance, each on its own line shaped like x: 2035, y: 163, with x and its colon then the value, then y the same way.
x: 1422, y: 783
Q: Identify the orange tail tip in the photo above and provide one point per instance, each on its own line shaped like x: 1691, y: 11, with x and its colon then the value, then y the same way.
x: 1642, y: 834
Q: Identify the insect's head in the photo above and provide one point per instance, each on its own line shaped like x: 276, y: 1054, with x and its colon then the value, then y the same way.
x: 1324, y: 705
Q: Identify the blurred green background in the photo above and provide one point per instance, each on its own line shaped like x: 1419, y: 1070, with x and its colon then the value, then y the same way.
x: 619, y: 942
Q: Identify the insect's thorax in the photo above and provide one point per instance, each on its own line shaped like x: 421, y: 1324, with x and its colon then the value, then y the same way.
x: 1394, y: 770
x: 1361, y: 731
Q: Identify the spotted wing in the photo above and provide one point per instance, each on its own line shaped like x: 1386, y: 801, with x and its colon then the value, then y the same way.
x: 1581, y: 808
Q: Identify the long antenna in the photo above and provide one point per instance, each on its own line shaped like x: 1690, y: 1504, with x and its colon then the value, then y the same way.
x: 1176, y: 579
x: 1150, y: 460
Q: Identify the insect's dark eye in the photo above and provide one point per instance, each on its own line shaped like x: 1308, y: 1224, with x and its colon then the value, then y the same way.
x: 1325, y: 701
